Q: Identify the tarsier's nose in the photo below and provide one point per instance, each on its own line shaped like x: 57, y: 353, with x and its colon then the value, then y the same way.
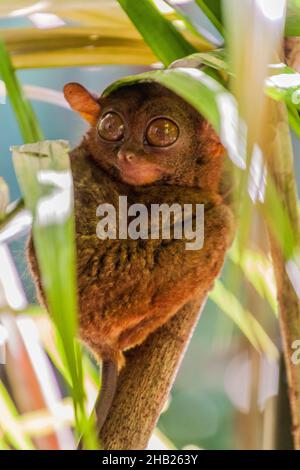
x: 126, y: 156
x: 135, y: 169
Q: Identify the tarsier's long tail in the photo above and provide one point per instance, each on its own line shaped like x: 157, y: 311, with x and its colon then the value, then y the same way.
x: 104, y: 401
x: 109, y: 376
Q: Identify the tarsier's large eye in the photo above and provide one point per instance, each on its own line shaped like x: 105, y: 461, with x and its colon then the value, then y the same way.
x: 162, y: 132
x: 111, y: 127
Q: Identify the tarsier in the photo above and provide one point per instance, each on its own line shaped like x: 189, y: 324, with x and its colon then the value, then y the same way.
x: 148, y: 144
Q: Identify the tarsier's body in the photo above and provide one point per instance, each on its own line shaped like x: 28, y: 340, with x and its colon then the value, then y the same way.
x: 149, y: 145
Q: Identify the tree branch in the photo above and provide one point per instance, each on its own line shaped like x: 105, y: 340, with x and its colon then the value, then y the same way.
x: 145, y: 382
x: 281, y: 166
x: 280, y: 163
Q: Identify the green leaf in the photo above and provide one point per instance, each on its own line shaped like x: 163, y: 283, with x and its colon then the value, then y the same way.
x: 9, y: 422
x: 160, y: 34
x: 214, y: 6
x: 187, y: 21
x: 27, y: 121
x: 196, y: 87
x: 44, y: 174
x: 212, y: 9
x: 207, y: 95
x: 246, y: 322
x: 284, y: 85
x: 258, y: 270
x: 294, y: 119
x: 292, y: 26
x: 11, y: 211
x: 281, y: 226
x: 215, y: 59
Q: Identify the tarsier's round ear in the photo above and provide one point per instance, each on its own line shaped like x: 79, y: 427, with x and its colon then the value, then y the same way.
x: 82, y: 101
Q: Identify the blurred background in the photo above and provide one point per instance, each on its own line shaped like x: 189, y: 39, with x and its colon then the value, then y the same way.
x: 229, y: 394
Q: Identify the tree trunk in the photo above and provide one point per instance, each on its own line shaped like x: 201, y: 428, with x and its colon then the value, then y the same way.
x: 280, y: 163
x: 281, y: 166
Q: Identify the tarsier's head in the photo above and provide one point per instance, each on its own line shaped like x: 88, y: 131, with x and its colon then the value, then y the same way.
x: 145, y: 134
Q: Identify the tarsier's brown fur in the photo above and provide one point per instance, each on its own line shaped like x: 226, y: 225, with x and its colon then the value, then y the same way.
x: 129, y: 288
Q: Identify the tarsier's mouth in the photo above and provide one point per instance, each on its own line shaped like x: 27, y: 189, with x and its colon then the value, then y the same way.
x: 140, y: 174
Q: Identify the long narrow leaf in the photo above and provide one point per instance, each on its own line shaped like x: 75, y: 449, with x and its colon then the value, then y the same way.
x: 247, y: 323
x: 215, y: 59
x: 193, y: 85
x: 292, y: 26
x: 74, y: 46
x: 45, y: 178
x: 212, y: 9
x: 203, y: 92
x: 27, y: 121
x: 189, y: 23
x: 9, y: 422
x: 258, y: 270
x: 215, y: 7
x: 161, y: 36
